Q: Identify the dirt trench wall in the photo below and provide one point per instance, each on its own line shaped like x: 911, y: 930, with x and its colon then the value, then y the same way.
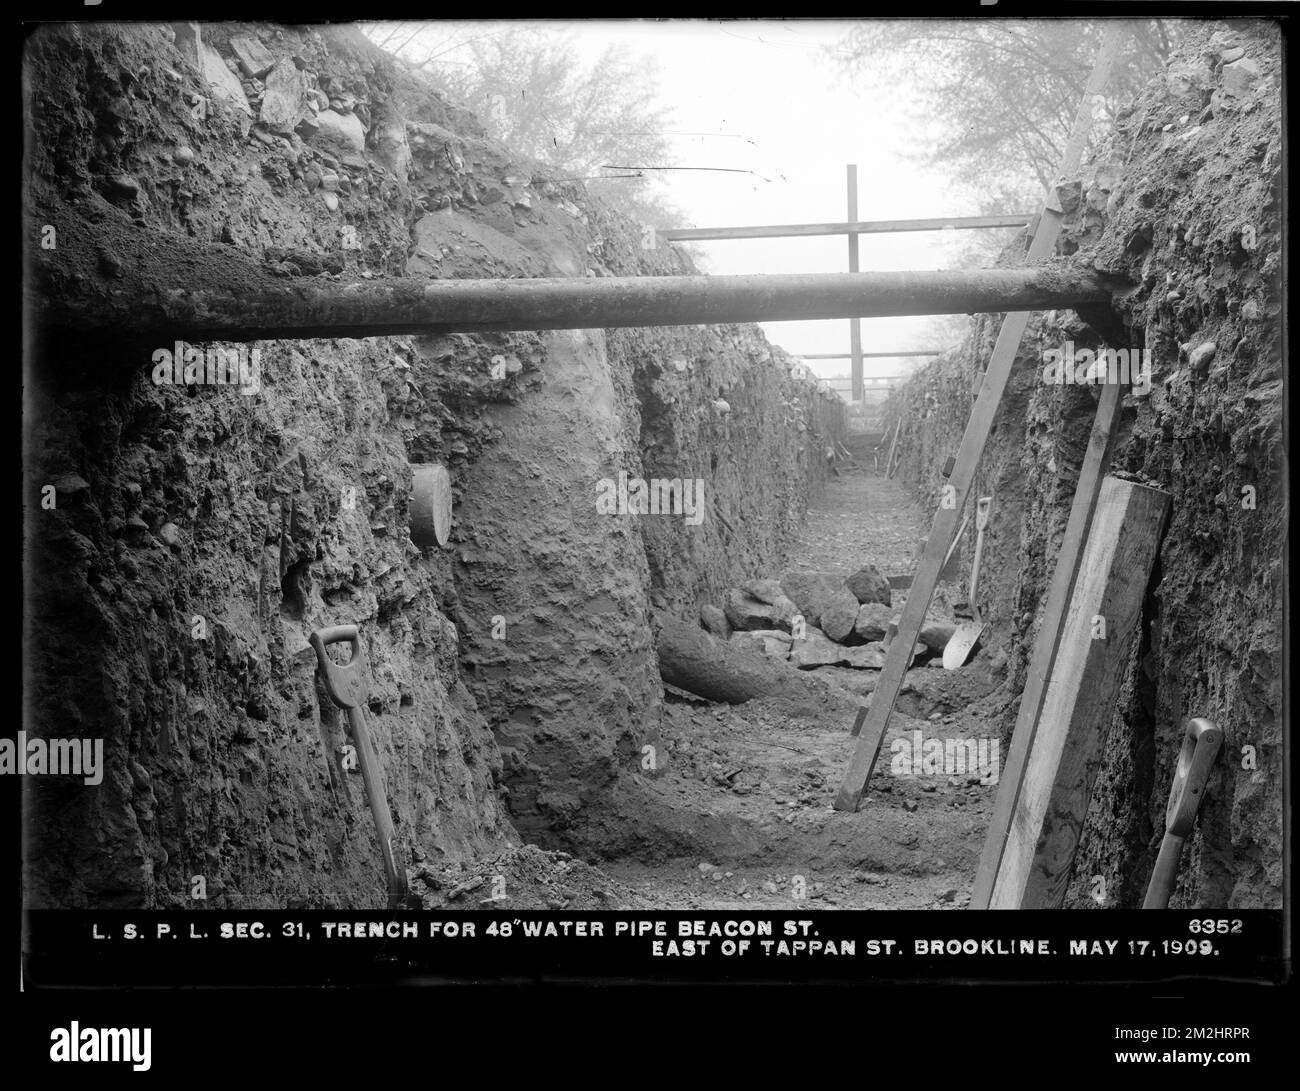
x: 199, y: 533
x: 1183, y: 201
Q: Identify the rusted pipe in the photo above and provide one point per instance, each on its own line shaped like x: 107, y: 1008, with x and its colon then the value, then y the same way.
x: 300, y: 307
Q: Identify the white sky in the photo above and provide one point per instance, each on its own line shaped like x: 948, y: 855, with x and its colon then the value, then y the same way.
x: 772, y: 102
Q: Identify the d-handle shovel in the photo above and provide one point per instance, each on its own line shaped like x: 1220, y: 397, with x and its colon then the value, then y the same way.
x: 346, y: 686
x: 1201, y: 743
x: 963, y: 641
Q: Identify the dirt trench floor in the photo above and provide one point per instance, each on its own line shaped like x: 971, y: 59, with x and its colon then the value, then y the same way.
x: 742, y: 816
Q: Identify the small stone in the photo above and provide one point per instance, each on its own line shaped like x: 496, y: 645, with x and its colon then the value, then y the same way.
x: 910, y: 805
x: 253, y: 57
x: 1199, y: 358
x: 171, y: 534
x: 124, y: 185
x: 342, y: 133
x: 282, y: 105
x: 1240, y: 75
x: 1250, y: 310
x: 331, y: 201
x: 721, y: 406
x: 135, y: 528
x: 70, y: 485
x: 183, y: 155
x: 329, y: 180
x: 1233, y: 54
x: 706, y: 868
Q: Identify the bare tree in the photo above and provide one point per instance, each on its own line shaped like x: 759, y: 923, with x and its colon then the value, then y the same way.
x: 999, y: 95
x: 532, y: 91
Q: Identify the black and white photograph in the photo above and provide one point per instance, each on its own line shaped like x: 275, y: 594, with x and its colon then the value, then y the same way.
x: 738, y: 496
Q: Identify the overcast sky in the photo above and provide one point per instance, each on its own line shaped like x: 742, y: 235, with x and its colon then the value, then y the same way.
x: 768, y: 99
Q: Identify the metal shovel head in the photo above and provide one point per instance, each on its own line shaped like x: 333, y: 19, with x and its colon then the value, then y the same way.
x: 961, y: 644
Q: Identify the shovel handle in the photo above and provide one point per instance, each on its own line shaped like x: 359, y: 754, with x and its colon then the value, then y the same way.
x: 1201, y: 742
x: 345, y: 683
x: 373, y: 781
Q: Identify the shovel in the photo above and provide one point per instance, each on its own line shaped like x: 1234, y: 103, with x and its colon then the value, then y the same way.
x: 962, y: 643
x: 1201, y: 743
x: 346, y: 686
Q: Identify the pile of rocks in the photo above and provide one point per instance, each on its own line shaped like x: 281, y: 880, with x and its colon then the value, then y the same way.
x: 819, y: 619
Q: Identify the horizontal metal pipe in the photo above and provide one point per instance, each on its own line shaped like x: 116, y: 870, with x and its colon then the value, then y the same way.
x: 850, y: 227
x: 301, y: 307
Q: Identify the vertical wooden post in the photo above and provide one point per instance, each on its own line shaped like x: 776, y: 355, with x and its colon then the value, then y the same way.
x: 1096, y: 639
x: 855, y: 324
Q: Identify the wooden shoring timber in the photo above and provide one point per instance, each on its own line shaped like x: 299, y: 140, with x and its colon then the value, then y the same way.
x: 978, y: 427
x: 865, y: 355
x: 855, y: 324
x: 1096, y: 459
x: 858, y: 227
x: 893, y: 446
x: 1089, y: 669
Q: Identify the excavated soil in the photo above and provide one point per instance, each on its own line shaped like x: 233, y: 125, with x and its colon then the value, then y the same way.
x: 743, y: 809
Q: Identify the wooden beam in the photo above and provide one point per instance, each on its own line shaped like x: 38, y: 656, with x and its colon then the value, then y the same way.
x: 859, y: 227
x: 978, y: 427
x: 855, y: 324
x: 1096, y: 460
x: 865, y: 355
x: 889, y: 462
x: 1089, y: 670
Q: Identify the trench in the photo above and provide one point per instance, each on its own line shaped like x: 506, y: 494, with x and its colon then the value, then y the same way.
x: 184, y: 539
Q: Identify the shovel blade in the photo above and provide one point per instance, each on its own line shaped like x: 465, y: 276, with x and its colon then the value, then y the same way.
x: 960, y: 645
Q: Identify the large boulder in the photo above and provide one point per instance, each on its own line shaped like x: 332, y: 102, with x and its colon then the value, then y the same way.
x: 873, y: 621
x: 715, y: 621
x: 691, y: 659
x: 745, y: 611
x: 816, y: 649
x: 868, y: 585
x: 936, y: 634
x: 839, y: 618
x: 771, y: 642
x: 865, y: 657
x: 816, y: 592
x: 768, y: 591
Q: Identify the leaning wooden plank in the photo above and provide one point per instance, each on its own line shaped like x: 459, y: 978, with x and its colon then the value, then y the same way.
x: 1096, y: 641
x: 976, y: 435
x: 1095, y: 462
